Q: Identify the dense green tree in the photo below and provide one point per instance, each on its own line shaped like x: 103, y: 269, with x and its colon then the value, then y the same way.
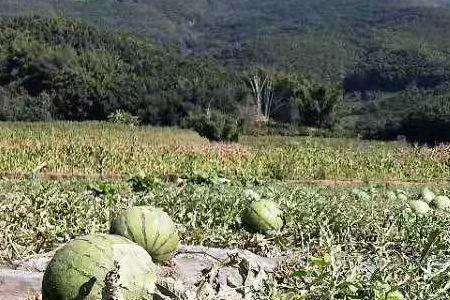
x: 397, y: 70
x: 429, y: 122
x: 57, y: 68
x: 305, y: 102
x: 88, y: 73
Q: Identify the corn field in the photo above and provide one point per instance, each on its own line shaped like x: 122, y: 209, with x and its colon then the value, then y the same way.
x: 102, y: 150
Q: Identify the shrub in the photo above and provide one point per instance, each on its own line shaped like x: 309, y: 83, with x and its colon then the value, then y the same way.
x: 143, y: 183
x: 214, y: 126
x: 123, y: 117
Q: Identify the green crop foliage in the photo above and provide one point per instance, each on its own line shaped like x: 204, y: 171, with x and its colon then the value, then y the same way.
x: 349, y: 247
x: 110, y: 150
x: 363, y: 242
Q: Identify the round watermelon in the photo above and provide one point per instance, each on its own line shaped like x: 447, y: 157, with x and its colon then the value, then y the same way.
x: 441, y: 203
x: 427, y: 195
x: 150, y: 228
x: 419, y: 207
x: 78, y: 270
x: 395, y: 295
x: 263, y: 216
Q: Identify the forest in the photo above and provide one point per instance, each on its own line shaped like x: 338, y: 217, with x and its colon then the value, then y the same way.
x: 374, y: 69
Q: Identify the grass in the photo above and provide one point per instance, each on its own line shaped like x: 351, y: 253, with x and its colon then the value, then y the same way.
x: 109, y: 150
x: 349, y: 245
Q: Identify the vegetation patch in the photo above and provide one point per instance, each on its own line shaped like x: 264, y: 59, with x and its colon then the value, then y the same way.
x: 355, y: 246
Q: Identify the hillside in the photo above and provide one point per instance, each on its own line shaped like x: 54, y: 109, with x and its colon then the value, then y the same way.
x: 324, y: 38
x: 57, y: 68
x: 391, y: 58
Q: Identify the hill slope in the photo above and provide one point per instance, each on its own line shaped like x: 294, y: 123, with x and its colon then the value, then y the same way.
x: 57, y: 68
x: 324, y: 38
x: 391, y: 57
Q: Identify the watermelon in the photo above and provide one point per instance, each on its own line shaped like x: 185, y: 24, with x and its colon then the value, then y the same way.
x: 263, y: 216
x: 78, y: 270
x: 395, y: 295
x: 419, y: 207
x: 441, y: 203
x: 427, y: 195
x: 149, y: 227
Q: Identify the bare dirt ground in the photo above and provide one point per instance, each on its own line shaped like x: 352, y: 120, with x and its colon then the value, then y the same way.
x: 211, y: 272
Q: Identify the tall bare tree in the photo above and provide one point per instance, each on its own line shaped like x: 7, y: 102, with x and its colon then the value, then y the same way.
x: 262, y: 85
x: 257, y: 83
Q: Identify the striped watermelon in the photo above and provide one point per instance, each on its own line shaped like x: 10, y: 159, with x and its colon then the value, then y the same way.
x: 78, y: 270
x: 263, y: 216
x: 419, y: 207
x: 395, y: 295
x: 149, y: 227
x: 427, y: 195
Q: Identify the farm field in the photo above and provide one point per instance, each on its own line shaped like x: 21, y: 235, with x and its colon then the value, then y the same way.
x: 101, y: 149
x: 353, y: 241
x: 350, y: 245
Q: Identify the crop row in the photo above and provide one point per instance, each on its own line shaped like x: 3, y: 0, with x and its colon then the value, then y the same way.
x: 103, y: 149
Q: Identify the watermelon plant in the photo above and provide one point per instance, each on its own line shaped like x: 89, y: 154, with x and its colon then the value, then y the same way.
x: 402, y: 196
x: 79, y: 269
x: 149, y: 227
x: 391, y: 195
x: 354, y: 236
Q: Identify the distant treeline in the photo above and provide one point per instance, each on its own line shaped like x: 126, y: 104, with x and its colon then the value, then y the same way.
x: 64, y: 69
x: 57, y: 68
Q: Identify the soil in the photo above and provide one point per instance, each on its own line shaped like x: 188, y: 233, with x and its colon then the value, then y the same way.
x: 22, y: 281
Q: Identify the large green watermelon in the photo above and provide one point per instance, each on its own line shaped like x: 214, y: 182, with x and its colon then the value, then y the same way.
x: 395, y: 295
x: 427, y: 195
x: 78, y: 270
x: 441, y: 203
x: 419, y: 207
x: 149, y: 227
x: 263, y: 216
